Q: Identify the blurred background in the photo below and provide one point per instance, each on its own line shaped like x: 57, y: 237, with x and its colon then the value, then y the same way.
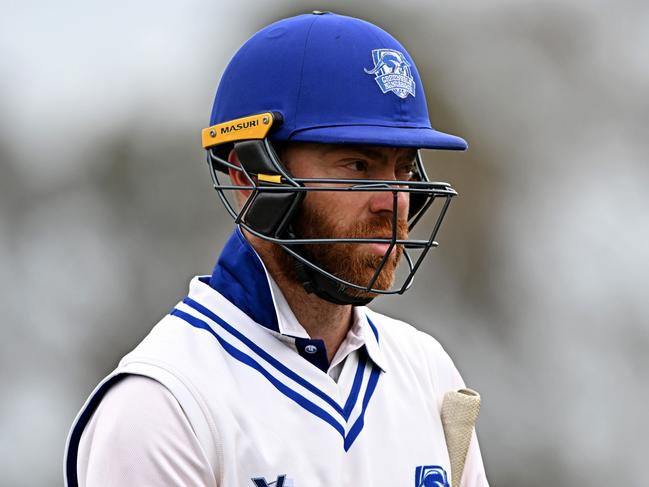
x: 538, y: 289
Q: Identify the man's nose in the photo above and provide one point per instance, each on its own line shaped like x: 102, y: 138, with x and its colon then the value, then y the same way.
x: 384, y: 201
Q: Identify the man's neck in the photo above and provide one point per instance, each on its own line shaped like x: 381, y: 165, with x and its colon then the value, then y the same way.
x: 321, y: 319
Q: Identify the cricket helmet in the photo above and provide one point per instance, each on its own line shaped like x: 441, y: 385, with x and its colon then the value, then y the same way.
x: 331, y: 79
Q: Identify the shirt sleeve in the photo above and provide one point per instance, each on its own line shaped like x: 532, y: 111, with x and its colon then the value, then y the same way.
x: 139, y: 435
x: 449, y: 379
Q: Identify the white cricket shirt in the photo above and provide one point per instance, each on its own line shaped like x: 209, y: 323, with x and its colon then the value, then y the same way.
x: 229, y: 390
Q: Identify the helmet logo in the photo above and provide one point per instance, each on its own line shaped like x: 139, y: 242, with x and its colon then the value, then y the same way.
x: 392, y: 72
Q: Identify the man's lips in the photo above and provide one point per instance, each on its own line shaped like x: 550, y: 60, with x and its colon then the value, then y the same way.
x: 381, y: 248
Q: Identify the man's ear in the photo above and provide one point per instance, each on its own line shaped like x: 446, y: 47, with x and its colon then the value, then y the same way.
x: 238, y: 178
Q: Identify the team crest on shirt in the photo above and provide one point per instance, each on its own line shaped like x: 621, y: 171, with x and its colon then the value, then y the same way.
x: 431, y: 476
x: 281, y: 481
x: 392, y: 72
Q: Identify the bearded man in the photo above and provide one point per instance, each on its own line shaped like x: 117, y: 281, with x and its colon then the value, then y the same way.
x: 273, y: 371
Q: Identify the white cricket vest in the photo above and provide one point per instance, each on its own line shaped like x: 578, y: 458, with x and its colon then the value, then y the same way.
x: 266, y: 416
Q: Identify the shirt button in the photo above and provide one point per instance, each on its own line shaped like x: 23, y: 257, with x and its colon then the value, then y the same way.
x: 310, y: 349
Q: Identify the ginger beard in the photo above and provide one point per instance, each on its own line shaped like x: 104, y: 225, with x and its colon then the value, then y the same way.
x: 352, y: 262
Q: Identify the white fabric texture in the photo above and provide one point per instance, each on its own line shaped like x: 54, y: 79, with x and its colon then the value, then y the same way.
x: 139, y: 435
x: 290, y: 326
x: 145, y: 431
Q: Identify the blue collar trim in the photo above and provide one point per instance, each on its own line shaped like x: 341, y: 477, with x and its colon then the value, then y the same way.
x: 240, y: 277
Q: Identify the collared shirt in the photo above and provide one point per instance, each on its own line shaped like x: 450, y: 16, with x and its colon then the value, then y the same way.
x: 115, y: 430
x: 143, y: 429
x: 242, y: 278
x: 291, y: 332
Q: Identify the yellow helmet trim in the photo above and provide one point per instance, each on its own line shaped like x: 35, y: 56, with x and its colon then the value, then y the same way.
x: 270, y: 178
x: 251, y: 127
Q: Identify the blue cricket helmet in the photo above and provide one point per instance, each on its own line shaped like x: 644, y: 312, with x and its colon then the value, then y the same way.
x: 323, y: 78
x: 333, y: 79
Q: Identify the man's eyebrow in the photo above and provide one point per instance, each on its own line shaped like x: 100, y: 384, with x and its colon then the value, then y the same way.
x: 409, y: 155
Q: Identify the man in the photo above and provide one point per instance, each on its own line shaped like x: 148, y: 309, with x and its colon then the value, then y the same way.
x: 272, y: 371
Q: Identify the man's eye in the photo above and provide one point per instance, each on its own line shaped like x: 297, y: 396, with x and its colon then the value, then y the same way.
x: 358, y: 166
x: 408, y: 171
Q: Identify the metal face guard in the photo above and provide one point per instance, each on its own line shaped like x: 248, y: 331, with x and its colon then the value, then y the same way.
x: 276, y: 195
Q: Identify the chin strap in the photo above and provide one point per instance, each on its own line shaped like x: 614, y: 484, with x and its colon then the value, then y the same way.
x: 323, y: 287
